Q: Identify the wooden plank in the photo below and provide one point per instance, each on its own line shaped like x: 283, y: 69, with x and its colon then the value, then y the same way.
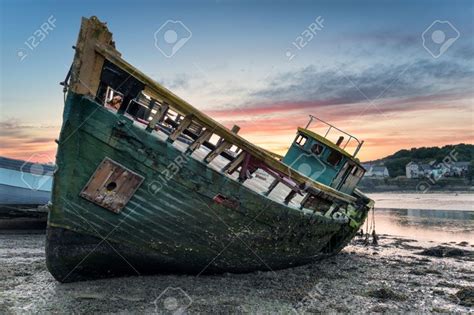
x: 272, y: 186
x: 159, y: 117
x: 234, y: 165
x: 112, y: 185
x: 155, y: 90
x: 218, y: 150
x: 87, y: 65
x: 244, y: 173
x: 235, y: 129
x: 182, y: 126
x: 290, y: 196
x: 205, y: 136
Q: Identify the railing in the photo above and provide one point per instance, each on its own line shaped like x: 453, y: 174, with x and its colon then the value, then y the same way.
x: 330, y: 126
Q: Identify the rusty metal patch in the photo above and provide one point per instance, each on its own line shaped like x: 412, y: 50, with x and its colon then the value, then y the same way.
x: 226, y: 202
x: 111, y: 186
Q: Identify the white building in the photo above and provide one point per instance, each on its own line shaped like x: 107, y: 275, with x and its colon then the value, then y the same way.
x: 418, y: 170
x: 377, y: 171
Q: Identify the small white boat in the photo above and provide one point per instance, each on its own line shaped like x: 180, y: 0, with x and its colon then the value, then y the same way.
x: 24, y: 186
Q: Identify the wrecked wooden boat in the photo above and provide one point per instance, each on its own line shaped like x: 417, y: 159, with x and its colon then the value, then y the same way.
x: 146, y: 183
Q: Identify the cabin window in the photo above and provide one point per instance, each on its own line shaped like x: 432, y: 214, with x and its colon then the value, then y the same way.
x: 354, y: 171
x: 301, y: 140
x: 113, y: 99
x: 334, y: 158
x: 317, y: 149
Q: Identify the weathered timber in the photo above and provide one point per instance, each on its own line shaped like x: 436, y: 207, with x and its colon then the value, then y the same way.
x: 159, y: 117
x: 272, y: 186
x: 87, y: 65
x: 224, y: 145
x: 181, y: 127
x: 203, y: 137
x: 232, y: 166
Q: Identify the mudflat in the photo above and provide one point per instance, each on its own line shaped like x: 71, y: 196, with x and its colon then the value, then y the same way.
x: 398, y: 275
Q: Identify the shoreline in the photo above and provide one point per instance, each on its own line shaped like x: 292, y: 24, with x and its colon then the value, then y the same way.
x: 428, y: 201
x: 390, y: 277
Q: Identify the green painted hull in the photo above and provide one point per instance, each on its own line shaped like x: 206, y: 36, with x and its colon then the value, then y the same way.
x: 179, y: 228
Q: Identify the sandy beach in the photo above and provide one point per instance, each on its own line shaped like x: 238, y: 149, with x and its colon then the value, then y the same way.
x: 390, y: 277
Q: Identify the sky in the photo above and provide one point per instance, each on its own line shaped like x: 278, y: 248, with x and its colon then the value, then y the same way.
x: 396, y: 74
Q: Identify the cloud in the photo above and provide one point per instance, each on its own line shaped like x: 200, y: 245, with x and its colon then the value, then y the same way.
x: 28, y: 140
x: 179, y: 81
x: 342, y: 85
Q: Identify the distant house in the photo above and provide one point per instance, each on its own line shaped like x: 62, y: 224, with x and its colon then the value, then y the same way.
x: 367, y: 167
x: 412, y: 170
x: 418, y: 170
x: 377, y: 171
x: 459, y: 169
x: 432, y: 170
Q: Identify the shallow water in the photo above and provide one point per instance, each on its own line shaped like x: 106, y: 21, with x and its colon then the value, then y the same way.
x: 440, y: 217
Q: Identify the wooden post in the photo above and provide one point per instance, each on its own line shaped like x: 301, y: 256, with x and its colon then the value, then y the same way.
x: 235, y: 129
x: 203, y: 137
x: 87, y: 65
x: 244, y: 172
x: 272, y: 186
x: 159, y: 116
x: 231, y: 167
x: 218, y: 150
x: 182, y: 126
x: 290, y: 196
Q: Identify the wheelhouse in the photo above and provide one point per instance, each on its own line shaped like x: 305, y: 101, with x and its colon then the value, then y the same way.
x: 322, y: 160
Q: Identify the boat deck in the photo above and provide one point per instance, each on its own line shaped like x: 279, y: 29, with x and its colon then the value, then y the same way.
x: 259, y: 182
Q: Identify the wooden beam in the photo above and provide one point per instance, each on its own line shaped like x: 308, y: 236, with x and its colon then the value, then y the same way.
x: 244, y: 168
x: 203, y: 137
x: 159, y: 117
x: 235, y: 129
x: 290, y: 196
x: 272, y: 186
x: 218, y: 150
x: 231, y: 167
x: 155, y: 90
x: 181, y: 127
x: 87, y: 65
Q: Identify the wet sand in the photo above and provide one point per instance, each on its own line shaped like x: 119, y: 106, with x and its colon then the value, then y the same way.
x: 391, y: 277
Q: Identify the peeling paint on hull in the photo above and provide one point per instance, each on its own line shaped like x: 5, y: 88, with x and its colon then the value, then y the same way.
x: 178, y: 228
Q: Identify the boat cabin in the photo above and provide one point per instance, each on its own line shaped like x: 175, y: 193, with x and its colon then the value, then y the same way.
x: 324, y: 161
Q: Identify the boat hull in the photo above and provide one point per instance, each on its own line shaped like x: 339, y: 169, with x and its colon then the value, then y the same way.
x: 176, y: 227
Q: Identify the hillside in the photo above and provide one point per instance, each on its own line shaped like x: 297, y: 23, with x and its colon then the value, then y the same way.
x: 397, y: 161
